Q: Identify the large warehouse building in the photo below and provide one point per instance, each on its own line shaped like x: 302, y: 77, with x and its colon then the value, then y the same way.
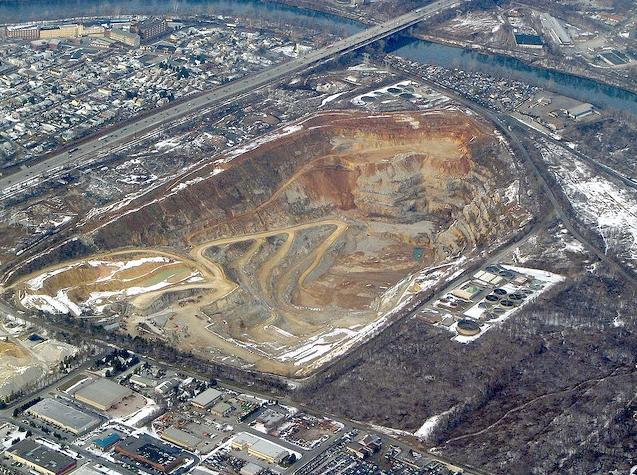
x: 103, y: 394
x: 207, y: 398
x: 152, y: 452
x: 63, y: 416
x: 40, y: 458
x: 258, y: 447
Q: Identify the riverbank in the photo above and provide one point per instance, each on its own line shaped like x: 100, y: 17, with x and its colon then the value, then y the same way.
x: 435, y: 50
x: 529, y: 59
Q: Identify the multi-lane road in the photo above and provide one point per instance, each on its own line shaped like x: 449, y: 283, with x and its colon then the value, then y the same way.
x: 228, y: 93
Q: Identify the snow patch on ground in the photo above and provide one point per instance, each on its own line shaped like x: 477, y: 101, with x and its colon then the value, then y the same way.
x: 426, y: 430
x: 600, y: 203
x: 476, y: 22
x: 331, y: 98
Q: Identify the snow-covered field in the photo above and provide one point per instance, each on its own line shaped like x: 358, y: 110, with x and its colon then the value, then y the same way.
x: 61, y: 303
x: 608, y: 208
x: 476, y: 22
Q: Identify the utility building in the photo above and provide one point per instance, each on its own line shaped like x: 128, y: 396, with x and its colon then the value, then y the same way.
x: 40, y: 458
x: 103, y: 394
x: 63, y: 416
x: 207, y: 398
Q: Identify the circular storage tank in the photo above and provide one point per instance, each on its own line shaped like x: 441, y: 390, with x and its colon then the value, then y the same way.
x: 500, y: 292
x: 492, y: 298
x: 468, y: 328
x: 507, y: 303
x: 493, y: 269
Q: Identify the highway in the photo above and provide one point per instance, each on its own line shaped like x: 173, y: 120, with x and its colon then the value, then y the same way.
x: 228, y: 93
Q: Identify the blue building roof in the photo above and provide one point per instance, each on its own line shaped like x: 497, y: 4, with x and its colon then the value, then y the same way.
x: 107, y: 441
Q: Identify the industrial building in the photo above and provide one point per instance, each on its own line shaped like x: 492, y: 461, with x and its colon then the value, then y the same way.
x: 124, y: 37
x: 260, y: 448
x: 152, y: 452
x: 150, y: 28
x: 222, y: 409
x: 166, y: 386
x: 143, y: 381
x: 181, y: 438
x: 489, y: 278
x: 358, y: 450
x: 580, y: 111
x: 555, y: 30
x: 525, y: 40
x: 251, y: 469
x: 63, y: 416
x: 40, y: 458
x: 207, y: 398
x: 467, y: 291
x: 91, y: 469
x: 107, y: 442
x: 103, y: 394
x: 23, y: 32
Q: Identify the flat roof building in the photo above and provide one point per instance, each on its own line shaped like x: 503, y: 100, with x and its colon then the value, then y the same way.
x: 467, y: 291
x: 90, y: 469
x: 181, y: 438
x: 143, y: 381
x: 105, y: 443
x: 222, y: 409
x: 251, y: 469
x: 152, y: 452
x: 207, y: 398
x: 526, y: 40
x: 124, y: 37
x: 580, y: 111
x: 358, y: 450
x: 63, y: 416
x: 258, y: 447
x: 40, y: 458
x: 151, y: 28
x: 61, y: 31
x: 24, y: 33
x: 488, y: 278
x: 103, y: 394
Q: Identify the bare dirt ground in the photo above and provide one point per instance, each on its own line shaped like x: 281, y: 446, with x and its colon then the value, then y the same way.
x: 288, y: 250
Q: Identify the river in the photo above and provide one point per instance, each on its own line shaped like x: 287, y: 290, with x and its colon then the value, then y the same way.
x: 586, y: 90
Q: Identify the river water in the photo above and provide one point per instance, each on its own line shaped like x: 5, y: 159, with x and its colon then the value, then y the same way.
x: 423, y: 51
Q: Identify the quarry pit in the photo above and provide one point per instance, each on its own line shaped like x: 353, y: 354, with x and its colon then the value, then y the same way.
x: 285, y: 252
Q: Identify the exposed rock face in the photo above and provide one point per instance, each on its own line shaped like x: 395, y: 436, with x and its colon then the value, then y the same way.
x: 307, y: 236
x: 442, y: 170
